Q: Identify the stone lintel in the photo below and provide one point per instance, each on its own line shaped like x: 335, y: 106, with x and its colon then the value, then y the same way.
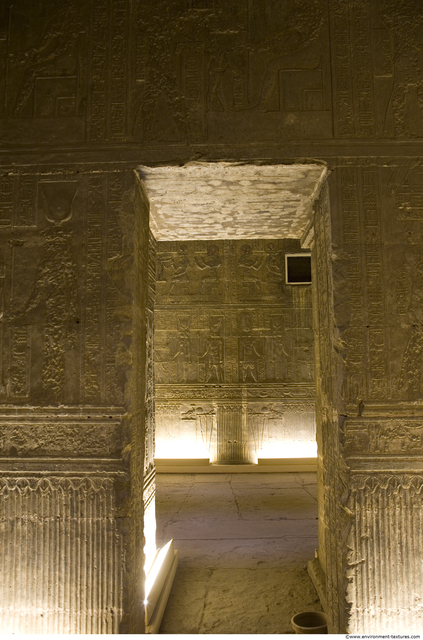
x: 223, y: 200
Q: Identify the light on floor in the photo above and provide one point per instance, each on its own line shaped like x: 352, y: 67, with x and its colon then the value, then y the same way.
x: 289, y: 449
x: 181, y: 448
x: 149, y: 535
x: 158, y: 584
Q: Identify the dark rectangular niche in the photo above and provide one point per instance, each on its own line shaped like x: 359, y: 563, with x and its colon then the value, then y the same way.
x: 298, y: 268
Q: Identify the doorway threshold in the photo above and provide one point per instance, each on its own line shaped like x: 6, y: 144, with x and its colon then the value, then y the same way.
x: 264, y: 465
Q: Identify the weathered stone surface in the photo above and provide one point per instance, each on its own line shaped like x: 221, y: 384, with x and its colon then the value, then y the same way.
x: 89, y: 91
x: 233, y: 352
x: 215, y: 201
x: 236, y: 576
x: 69, y: 299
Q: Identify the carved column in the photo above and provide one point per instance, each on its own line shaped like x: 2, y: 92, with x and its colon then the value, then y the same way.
x: 75, y: 325
x: 368, y: 270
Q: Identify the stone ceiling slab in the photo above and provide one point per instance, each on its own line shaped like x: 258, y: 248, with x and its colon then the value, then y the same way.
x: 223, y: 200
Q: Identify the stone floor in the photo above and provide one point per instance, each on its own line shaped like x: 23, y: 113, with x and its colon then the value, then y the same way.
x: 244, y: 541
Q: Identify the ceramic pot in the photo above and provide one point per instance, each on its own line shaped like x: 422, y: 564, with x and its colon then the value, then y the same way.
x: 310, y: 622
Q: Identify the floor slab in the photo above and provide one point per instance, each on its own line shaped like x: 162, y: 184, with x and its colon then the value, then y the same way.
x: 243, y: 543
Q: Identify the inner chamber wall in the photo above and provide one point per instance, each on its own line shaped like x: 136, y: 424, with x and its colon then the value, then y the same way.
x: 234, y: 353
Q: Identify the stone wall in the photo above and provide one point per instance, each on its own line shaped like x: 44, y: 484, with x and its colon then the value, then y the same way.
x: 67, y: 245
x: 91, y: 90
x: 233, y: 352
x: 370, y: 372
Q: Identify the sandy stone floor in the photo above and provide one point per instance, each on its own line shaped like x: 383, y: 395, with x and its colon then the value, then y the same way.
x: 244, y: 541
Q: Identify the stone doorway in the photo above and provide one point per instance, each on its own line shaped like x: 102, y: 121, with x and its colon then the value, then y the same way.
x: 234, y: 361
x: 234, y: 346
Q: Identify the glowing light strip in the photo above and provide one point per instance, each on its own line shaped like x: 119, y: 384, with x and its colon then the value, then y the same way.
x: 156, y: 578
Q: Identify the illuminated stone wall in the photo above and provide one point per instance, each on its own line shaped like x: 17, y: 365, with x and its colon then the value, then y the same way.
x: 69, y: 293
x: 368, y: 238
x: 89, y: 92
x: 234, y: 353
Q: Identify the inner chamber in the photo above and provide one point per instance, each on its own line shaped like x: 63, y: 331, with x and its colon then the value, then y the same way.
x: 233, y: 339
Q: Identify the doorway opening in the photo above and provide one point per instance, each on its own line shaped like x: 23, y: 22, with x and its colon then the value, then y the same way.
x: 234, y: 348
x: 233, y: 338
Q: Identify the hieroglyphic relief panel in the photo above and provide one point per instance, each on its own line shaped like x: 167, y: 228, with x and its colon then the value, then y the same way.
x: 377, y: 82
x: 358, y: 278
x: 309, y: 69
x: 217, y: 66
x: 373, y: 345
x: 225, y: 319
x: 67, y: 333
x: 107, y: 104
x: 220, y: 76
x: 405, y: 246
x: 64, y: 68
x: 218, y: 296
x: 376, y: 269
x: 61, y: 247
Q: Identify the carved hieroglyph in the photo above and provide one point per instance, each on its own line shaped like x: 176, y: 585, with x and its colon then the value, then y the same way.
x: 70, y: 353
x: 233, y: 351
x: 126, y: 83
x: 369, y: 393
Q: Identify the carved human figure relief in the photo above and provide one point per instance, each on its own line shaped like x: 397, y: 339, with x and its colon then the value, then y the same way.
x: 161, y: 372
x: 250, y: 355
x: 279, y: 365
x: 233, y: 84
x: 161, y: 113
x: 209, y: 265
x: 54, y: 300
x: 275, y: 267
x: 213, y: 355
x: 179, y: 278
x: 51, y: 65
x: 183, y: 349
x: 248, y: 266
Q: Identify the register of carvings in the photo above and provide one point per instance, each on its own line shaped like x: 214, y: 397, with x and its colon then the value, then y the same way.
x: 90, y: 82
x: 229, y: 333
x: 66, y: 247
x: 372, y: 451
